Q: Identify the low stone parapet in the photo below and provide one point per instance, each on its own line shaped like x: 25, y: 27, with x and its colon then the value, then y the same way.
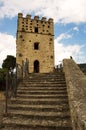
x: 76, y: 87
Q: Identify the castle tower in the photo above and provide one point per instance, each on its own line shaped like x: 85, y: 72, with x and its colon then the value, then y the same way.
x: 35, y: 41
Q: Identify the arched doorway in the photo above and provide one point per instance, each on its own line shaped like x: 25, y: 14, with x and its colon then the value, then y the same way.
x: 36, y: 66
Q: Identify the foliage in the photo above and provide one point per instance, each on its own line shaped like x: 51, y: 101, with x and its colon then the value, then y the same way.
x: 9, y: 63
x: 2, y: 79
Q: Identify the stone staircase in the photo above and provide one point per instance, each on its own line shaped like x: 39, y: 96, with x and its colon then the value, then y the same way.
x: 41, y: 104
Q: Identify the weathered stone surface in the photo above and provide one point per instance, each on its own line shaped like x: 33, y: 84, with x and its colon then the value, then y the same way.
x: 27, y: 36
x: 76, y: 87
x: 41, y: 107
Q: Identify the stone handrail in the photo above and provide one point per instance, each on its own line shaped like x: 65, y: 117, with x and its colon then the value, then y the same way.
x: 76, y: 87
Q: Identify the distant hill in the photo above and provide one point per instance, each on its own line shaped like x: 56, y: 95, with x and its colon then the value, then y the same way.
x: 83, y: 67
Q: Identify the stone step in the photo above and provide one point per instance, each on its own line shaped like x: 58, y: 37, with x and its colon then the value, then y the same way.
x: 25, y: 86
x: 37, y: 99
x: 46, y: 79
x: 56, y: 96
x: 38, y: 84
x: 39, y: 102
x: 44, y: 82
x: 41, y: 88
x: 41, y: 92
x: 42, y: 85
x: 21, y: 127
x: 39, y: 114
x: 39, y: 108
x: 38, y: 124
x: 45, y: 75
x: 33, y: 98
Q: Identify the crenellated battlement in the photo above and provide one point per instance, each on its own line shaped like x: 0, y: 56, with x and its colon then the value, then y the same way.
x: 37, y: 25
x: 20, y: 15
x: 36, y: 18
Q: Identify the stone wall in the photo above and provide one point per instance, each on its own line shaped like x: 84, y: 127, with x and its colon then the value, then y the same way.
x: 76, y: 87
x: 31, y: 31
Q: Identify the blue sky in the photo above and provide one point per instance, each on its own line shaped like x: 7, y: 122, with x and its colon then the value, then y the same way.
x: 69, y: 26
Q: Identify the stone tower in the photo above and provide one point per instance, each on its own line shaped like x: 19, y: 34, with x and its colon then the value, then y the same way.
x: 35, y: 41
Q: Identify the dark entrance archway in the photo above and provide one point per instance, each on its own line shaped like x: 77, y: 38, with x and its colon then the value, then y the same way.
x: 36, y: 66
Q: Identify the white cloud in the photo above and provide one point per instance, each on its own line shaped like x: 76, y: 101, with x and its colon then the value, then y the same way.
x: 65, y: 51
x: 7, y: 46
x: 65, y: 11
x: 76, y: 29
x: 63, y: 36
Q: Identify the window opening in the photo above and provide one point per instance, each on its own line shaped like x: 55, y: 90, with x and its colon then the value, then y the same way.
x: 21, y: 36
x: 36, y: 29
x: 51, y: 39
x: 36, y: 46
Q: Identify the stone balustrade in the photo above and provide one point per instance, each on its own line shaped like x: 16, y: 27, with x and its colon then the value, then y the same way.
x: 76, y: 87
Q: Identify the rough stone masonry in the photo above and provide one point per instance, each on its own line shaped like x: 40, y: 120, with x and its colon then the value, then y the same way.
x: 76, y: 87
x: 35, y: 41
